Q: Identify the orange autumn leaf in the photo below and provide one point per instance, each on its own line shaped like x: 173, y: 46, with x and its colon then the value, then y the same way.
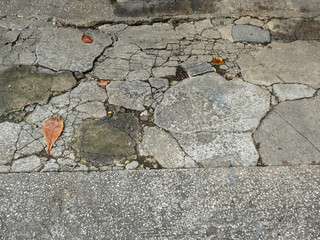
x: 86, y: 38
x: 103, y: 83
x: 217, y: 60
x: 52, y: 129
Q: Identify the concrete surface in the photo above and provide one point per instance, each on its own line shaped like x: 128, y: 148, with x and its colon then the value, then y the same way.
x: 222, y: 203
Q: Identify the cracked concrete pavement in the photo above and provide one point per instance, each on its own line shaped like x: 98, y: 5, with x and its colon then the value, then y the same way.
x: 164, y: 88
x: 168, y: 105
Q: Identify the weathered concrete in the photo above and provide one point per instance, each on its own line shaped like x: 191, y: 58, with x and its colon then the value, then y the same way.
x: 210, y: 103
x: 295, y: 62
x: 289, y: 135
x: 62, y: 49
x: 292, y: 91
x: 20, y: 86
x: 223, y: 203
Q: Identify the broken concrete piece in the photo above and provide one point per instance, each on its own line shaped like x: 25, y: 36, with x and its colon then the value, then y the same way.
x: 27, y: 164
x: 195, y: 68
x: 292, y: 91
x: 62, y: 49
x: 154, y: 141
x: 289, y: 135
x: 128, y: 94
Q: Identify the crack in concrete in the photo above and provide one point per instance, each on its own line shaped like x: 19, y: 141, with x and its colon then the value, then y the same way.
x: 296, y: 130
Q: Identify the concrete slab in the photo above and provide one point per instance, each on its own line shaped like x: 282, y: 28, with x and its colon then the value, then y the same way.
x: 223, y: 203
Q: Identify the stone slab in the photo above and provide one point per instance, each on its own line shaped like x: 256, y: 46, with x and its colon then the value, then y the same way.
x: 223, y: 203
x: 248, y: 33
x: 289, y: 135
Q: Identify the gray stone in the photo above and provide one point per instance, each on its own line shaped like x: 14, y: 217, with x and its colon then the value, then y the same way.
x: 295, y: 62
x: 8, y: 139
x: 195, y: 68
x: 132, y: 165
x: 222, y: 203
x: 292, y: 91
x: 247, y: 33
x: 159, y: 83
x: 210, y: 103
x: 154, y: 141
x: 128, y: 94
x: 62, y: 49
x: 27, y: 164
x: 289, y: 135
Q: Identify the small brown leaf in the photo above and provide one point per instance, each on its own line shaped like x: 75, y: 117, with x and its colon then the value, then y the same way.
x: 86, y: 38
x: 103, y: 83
x: 51, y: 129
x: 217, y: 60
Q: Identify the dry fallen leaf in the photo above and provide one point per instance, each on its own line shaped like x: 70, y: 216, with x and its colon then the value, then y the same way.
x: 86, y: 38
x: 103, y: 83
x: 51, y: 129
x: 217, y: 60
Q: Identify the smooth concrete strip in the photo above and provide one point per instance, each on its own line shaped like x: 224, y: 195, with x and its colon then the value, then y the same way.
x: 222, y: 203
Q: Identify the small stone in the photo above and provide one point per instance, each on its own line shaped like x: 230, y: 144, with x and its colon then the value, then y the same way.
x: 81, y: 168
x: 195, y: 68
x: 28, y: 164
x: 144, y: 116
x: 223, y: 67
x: 66, y: 162
x: 51, y: 166
x: 247, y: 33
x: 132, y: 165
x: 159, y: 83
